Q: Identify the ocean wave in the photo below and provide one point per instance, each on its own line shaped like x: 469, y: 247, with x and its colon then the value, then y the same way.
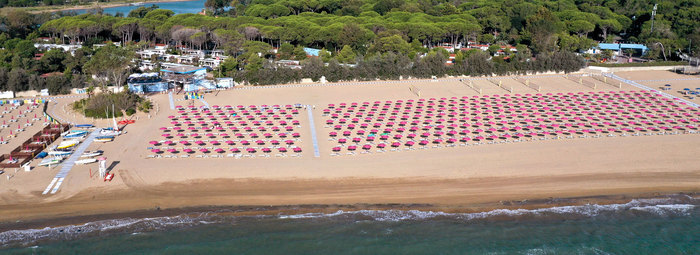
x: 684, y: 206
x: 658, y: 207
x: 29, y: 236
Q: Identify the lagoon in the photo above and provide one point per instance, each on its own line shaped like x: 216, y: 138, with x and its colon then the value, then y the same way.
x: 177, y: 7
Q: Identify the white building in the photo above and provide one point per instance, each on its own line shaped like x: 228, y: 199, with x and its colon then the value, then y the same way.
x: 71, y: 48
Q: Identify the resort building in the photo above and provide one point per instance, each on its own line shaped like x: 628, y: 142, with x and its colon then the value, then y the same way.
x: 618, y: 48
x: 71, y: 48
x: 146, y: 83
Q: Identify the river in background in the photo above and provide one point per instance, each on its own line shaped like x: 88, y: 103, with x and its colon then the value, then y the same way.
x: 177, y: 7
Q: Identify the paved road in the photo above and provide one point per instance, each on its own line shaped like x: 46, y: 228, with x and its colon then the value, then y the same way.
x: 314, y: 139
x: 70, y: 162
x: 204, y: 102
x: 172, y: 103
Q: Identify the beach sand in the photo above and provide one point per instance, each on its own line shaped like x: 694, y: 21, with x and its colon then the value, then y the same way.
x: 449, y: 179
x: 657, y: 80
x: 14, y: 123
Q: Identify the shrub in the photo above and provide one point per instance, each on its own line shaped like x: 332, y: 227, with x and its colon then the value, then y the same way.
x: 101, y: 105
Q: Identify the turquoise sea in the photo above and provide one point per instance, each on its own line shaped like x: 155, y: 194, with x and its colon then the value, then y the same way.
x: 177, y: 7
x: 656, y: 226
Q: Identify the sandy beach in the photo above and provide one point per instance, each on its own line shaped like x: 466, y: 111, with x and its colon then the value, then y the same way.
x: 461, y: 179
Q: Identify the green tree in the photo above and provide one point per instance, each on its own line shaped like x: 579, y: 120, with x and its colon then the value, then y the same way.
x: 52, y: 61
x: 141, y: 11
x: 609, y: 25
x: 541, y: 29
x: 110, y: 65
x: 17, y: 80
x: 325, y: 55
x: 286, y: 51
x: 24, y: 49
x: 493, y: 49
x: 216, y: 7
x: 392, y: 43
x: 299, y: 53
x: 384, y: 6
x: 355, y: 36
x: 346, y: 55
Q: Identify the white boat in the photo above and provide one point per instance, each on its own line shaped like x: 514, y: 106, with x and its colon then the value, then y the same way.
x: 85, y: 161
x: 67, y: 144
x: 103, y: 139
x: 60, y: 153
x: 89, y: 154
x: 50, y: 161
x: 110, y: 132
x: 74, y: 136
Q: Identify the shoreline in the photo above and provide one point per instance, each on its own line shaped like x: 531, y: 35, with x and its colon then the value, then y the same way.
x: 101, y: 5
x: 254, y: 197
x: 278, y: 210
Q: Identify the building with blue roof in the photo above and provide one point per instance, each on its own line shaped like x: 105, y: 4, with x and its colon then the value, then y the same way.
x: 183, y: 69
x: 312, y: 52
x: 618, y: 48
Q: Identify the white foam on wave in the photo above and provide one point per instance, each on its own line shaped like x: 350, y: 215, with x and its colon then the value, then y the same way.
x: 589, y: 210
x: 681, y: 209
x: 661, y: 207
x: 27, y: 236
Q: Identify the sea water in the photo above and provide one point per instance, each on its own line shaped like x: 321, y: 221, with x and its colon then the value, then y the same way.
x: 195, y: 6
x: 660, y: 226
